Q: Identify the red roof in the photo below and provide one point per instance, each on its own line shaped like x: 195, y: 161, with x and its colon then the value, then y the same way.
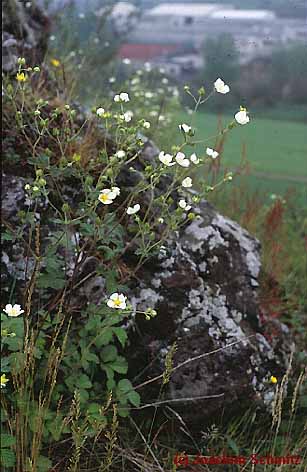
x: 145, y: 51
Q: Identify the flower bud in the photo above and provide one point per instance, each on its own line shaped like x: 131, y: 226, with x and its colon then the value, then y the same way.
x: 42, y: 182
x: 65, y: 208
x: 21, y: 61
x: 201, y: 92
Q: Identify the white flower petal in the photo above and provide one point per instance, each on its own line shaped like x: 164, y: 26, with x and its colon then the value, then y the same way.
x: 187, y: 182
x: 100, y: 111
x: 242, y: 117
x: 133, y: 210
x: 182, y: 160
x: 221, y: 87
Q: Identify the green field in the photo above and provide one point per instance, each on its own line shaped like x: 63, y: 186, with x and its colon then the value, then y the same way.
x: 275, y: 150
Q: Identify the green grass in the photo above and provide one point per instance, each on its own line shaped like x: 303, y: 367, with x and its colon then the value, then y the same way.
x: 272, y: 147
x: 275, y: 150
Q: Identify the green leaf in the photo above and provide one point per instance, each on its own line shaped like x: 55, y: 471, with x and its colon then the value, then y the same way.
x: 109, y: 353
x: 83, y: 382
x: 104, y: 338
x: 7, y: 236
x: 7, y: 457
x: 120, y: 365
x: 110, y: 374
x: 40, y: 161
x: 125, y: 385
x: 43, y: 464
x: 233, y: 445
x: 135, y: 398
x: 123, y: 411
x: 84, y: 396
x: 6, y: 440
x: 121, y: 335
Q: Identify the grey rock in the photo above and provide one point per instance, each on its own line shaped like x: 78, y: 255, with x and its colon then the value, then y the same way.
x: 203, y: 287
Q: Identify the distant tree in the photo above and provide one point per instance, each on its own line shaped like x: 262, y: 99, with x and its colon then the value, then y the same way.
x: 289, y: 72
x: 221, y: 59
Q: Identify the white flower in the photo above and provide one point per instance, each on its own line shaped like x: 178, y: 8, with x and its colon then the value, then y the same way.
x: 81, y: 16
x: 117, y: 300
x: 147, y: 66
x: 120, y: 154
x: 146, y: 124
x: 100, y: 111
x: 166, y: 159
x: 127, y: 116
x: 153, y: 113
x: 112, y: 80
x: 52, y: 38
x: 27, y: 187
x: 126, y: 61
x: 133, y: 210
x: 116, y: 191
x: 164, y: 80
x: 107, y: 196
x: 13, y: 311
x: 160, y: 220
x: 135, y: 81
x: 182, y: 160
x: 185, y: 128
x: 161, y: 118
x: 194, y: 158
x: 242, y: 117
x: 122, y: 97
x: 148, y: 95
x: 221, y: 87
x: 187, y: 182
x: 212, y: 153
x: 183, y: 204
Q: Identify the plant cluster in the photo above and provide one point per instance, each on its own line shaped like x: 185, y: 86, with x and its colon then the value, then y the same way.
x: 63, y: 367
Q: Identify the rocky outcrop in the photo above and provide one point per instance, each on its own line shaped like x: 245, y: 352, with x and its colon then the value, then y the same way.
x: 204, y: 287
x: 24, y: 34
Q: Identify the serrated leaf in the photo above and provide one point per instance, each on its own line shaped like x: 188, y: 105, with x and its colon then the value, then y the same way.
x: 124, y: 385
x: 7, y: 457
x: 123, y: 411
x: 134, y: 398
x: 6, y: 440
x: 83, y: 382
x: 104, y: 338
x: 109, y: 353
x: 43, y: 464
x: 120, y: 365
x: 121, y: 335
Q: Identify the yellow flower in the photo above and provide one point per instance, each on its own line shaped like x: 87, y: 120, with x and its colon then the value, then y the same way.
x: 55, y: 62
x: 4, y: 380
x: 21, y: 77
x: 273, y: 379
